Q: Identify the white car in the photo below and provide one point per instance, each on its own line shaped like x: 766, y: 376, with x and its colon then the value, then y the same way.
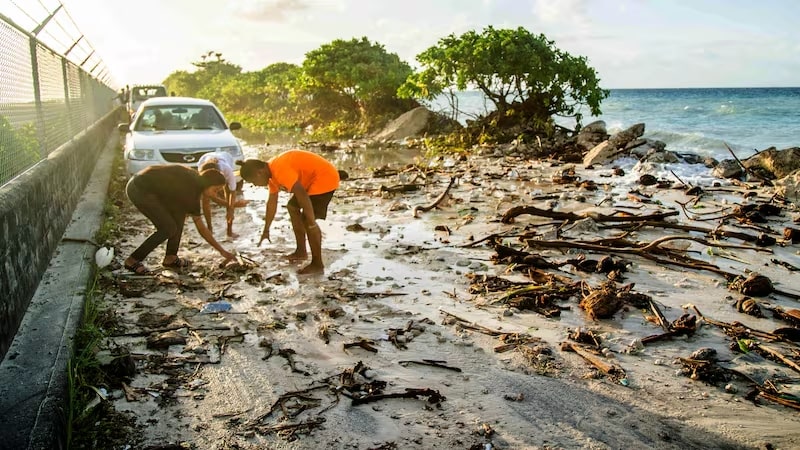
x: 177, y: 130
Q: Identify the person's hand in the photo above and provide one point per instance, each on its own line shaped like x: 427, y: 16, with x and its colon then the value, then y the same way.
x: 264, y: 235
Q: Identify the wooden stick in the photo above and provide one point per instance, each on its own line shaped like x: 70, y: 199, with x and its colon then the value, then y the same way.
x: 776, y: 354
x: 428, y: 362
x: 660, y: 316
x: 606, y: 368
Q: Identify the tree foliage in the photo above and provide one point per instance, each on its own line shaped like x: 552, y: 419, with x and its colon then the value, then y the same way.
x: 358, y: 77
x: 523, y: 74
x: 350, y: 87
x: 19, y: 148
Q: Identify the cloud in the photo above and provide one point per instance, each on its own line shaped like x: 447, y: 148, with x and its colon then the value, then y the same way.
x: 267, y: 11
x: 561, y: 10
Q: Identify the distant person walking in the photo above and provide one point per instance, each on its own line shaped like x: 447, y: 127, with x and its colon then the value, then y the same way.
x: 312, y: 181
x: 166, y: 194
x: 223, y: 162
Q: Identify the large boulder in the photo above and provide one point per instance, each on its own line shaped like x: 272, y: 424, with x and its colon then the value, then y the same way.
x: 728, y: 168
x: 591, y: 135
x: 615, y: 147
x: 621, y: 139
x: 414, y: 123
x: 778, y: 163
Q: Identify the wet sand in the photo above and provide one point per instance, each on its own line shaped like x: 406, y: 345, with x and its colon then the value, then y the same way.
x: 393, y: 280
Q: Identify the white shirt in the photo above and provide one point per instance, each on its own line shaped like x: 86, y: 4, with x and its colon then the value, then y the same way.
x: 225, y: 163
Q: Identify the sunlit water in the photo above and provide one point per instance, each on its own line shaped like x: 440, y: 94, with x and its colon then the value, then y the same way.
x: 693, y: 120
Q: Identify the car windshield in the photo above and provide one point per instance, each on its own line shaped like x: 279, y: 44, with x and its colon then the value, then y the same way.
x: 145, y: 92
x: 179, y: 117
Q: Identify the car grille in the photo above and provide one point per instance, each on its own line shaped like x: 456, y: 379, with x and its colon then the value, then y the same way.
x: 184, y: 157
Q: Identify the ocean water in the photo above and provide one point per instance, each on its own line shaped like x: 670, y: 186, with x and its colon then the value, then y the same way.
x: 699, y: 121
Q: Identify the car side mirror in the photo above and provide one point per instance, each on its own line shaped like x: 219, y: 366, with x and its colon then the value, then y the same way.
x: 124, y: 127
x: 235, y: 126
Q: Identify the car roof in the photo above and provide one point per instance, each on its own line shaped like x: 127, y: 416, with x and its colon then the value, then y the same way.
x: 185, y: 101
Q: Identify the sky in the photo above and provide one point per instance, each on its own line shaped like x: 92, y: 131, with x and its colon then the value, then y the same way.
x: 631, y: 43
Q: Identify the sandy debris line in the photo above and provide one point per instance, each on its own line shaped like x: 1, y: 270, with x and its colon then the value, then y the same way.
x: 420, y: 336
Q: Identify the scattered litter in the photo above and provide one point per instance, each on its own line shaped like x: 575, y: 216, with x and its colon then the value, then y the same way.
x: 215, y: 307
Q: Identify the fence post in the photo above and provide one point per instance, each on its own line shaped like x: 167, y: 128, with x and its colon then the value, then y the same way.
x: 37, y: 98
x: 70, y: 123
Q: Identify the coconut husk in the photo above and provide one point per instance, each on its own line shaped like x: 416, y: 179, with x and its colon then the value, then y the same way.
x: 603, y: 302
x: 749, y: 306
x: 754, y: 285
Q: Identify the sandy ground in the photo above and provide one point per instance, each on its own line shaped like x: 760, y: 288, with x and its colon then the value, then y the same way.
x: 274, y: 370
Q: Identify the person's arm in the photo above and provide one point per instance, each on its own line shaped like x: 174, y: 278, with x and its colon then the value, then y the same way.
x: 304, y: 201
x: 272, y: 208
x: 207, y: 212
x: 206, y: 234
x: 229, y: 197
x: 215, y: 197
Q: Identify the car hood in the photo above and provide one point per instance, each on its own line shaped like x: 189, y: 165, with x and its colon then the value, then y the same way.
x: 160, y: 140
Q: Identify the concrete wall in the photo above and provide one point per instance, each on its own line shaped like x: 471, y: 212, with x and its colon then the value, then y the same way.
x: 35, y: 209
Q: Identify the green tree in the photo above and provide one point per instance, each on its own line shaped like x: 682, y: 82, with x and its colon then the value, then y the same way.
x: 524, y: 75
x: 19, y: 149
x: 354, y: 79
x: 182, y: 83
x: 212, y: 74
x: 265, y: 99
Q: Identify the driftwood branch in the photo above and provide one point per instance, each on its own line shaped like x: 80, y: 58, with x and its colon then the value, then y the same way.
x: 439, y: 199
x: 712, y: 232
x: 745, y: 168
x: 433, y: 396
x: 509, y: 216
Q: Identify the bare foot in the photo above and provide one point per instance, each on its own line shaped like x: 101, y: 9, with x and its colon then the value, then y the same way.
x: 311, y: 268
x: 297, y: 256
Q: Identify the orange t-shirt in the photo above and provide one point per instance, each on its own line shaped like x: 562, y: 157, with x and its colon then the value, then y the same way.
x: 316, y: 174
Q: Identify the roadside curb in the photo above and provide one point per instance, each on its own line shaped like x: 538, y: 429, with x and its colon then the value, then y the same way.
x: 33, y: 376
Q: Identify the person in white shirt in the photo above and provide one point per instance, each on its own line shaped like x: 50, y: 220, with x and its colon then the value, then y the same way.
x: 223, y: 162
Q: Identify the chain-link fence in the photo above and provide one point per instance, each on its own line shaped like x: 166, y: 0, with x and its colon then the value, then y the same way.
x: 45, y: 99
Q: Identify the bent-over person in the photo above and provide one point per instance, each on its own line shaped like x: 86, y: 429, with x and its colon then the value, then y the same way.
x: 312, y: 181
x: 223, y: 162
x: 166, y: 194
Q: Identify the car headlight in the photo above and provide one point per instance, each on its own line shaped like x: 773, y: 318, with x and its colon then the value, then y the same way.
x: 234, y: 150
x: 140, y: 154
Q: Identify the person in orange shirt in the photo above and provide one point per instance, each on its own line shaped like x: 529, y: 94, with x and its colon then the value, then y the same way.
x: 312, y: 181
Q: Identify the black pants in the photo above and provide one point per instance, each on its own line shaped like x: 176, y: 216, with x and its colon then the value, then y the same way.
x: 168, y: 223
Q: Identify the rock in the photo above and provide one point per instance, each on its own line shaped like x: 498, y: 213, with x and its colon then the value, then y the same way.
x: 602, y: 153
x: 621, y: 139
x: 596, y: 127
x: 704, y: 354
x: 591, y: 135
x: 789, y: 187
x: 408, y: 124
x: 614, y: 147
x: 778, y: 163
x: 415, y: 123
x: 728, y: 168
x: 691, y: 158
x: 661, y: 157
x: 648, y: 180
